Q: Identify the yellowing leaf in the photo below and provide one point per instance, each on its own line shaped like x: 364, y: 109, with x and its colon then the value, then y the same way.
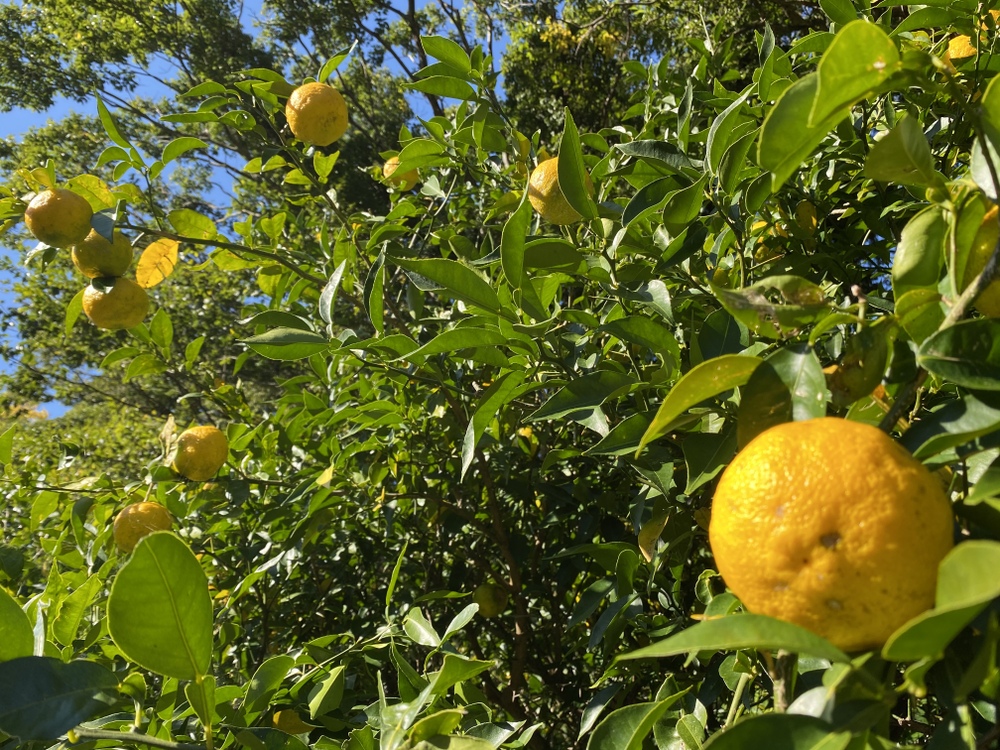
x: 156, y: 263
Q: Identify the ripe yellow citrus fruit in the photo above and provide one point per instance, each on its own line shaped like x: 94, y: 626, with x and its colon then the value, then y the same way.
x: 137, y: 520
x: 201, y: 452
x: 123, y: 304
x: 95, y: 256
x: 985, y: 241
x: 833, y: 526
x: 58, y: 217
x: 959, y: 48
x: 547, y: 197
x: 491, y: 598
x: 404, y: 181
x: 316, y: 114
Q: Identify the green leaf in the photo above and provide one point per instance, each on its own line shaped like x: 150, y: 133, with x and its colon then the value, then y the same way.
x: 72, y: 610
x: 627, y: 728
x: 953, y: 423
x: 457, y: 338
x: 839, y: 11
x: 460, y: 280
x: 706, y: 454
x: 860, y: 60
x: 572, y: 173
x: 708, y: 379
x: 160, y: 610
x: 16, y: 636
x: 920, y: 312
x: 966, y: 584
x: 190, y: 223
x: 266, y: 681
x: 638, y: 329
x: 582, y: 395
x: 440, y: 722
x: 742, y: 631
x: 42, y: 698
x: 780, y: 732
x: 373, y: 294
x: 455, y: 742
x: 287, y: 344
x: 161, y: 330
x: 180, y: 146
x: 920, y: 253
x: 329, y: 294
x: 329, y: 694
x: 789, y: 385
x: 512, y: 243
x: 967, y: 353
x: 903, y: 156
x: 419, y: 629
x: 73, y: 311
x: 110, y: 126
x: 721, y: 130
x: 787, y: 138
x: 649, y: 198
x: 456, y: 669
x: 683, y: 206
x: 200, y: 694
x: 144, y: 364
x: 444, y: 49
x: 490, y: 403
x: 453, y: 88
x: 7, y: 446
x: 331, y: 65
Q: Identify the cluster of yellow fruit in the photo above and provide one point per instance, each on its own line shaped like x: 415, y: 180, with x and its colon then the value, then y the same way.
x: 201, y: 452
x: 61, y: 218
x: 831, y: 525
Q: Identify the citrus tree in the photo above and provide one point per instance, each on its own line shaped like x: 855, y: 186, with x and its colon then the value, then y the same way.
x: 474, y: 508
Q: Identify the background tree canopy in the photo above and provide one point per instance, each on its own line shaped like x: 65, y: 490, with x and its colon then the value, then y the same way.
x: 432, y: 393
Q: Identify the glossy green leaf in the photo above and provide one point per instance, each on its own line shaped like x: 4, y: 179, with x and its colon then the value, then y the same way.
x: 456, y: 669
x: 490, y: 403
x: 646, y: 332
x: 110, y: 126
x: 953, y: 423
x: 287, y: 343
x: 180, y: 146
x: 446, y: 86
x: 920, y: 312
x: 16, y: 636
x: 683, y: 206
x: 583, y: 394
x: 572, y: 173
x: 967, y: 353
x: 903, y: 156
x: 73, y: 609
x: 7, y: 445
x: 720, y: 132
x: 460, y: 280
x: 627, y: 728
x: 706, y: 454
x: 741, y: 631
x: 73, y: 311
x: 328, y: 296
x: 649, y: 198
x: 42, y: 698
x: 780, y: 732
x: 787, y: 138
x: 839, y: 11
x: 454, y: 742
x: 420, y: 630
x: 444, y: 49
x: 919, y: 255
x: 190, y: 223
x: 860, y: 60
x: 160, y: 610
x: 328, y: 695
x: 702, y: 382
x: 373, y: 294
x: 265, y: 682
x: 438, y: 723
x: 457, y: 338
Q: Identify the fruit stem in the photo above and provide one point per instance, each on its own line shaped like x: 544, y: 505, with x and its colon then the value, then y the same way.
x: 737, y: 698
x: 783, y: 676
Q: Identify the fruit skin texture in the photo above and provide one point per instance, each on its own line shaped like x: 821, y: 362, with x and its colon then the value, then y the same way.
x: 58, y: 217
x: 546, y: 196
x: 95, y: 256
x: 405, y: 181
x: 137, y: 520
x: 831, y: 525
x: 988, y: 303
x: 316, y: 114
x: 491, y: 598
x: 201, y: 452
x: 125, y: 305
